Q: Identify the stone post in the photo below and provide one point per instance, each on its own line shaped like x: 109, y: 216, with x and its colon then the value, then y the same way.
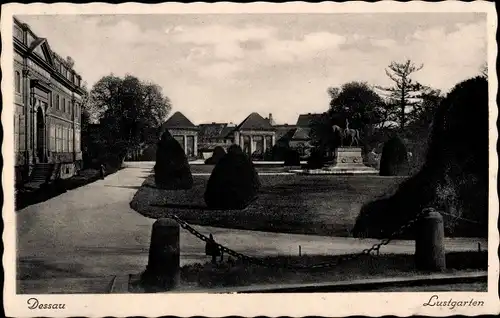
x: 429, y: 243
x: 164, y: 256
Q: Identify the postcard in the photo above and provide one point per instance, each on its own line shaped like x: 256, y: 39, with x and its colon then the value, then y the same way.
x: 293, y: 159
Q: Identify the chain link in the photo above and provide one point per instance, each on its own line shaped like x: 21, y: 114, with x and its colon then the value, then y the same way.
x: 368, y: 251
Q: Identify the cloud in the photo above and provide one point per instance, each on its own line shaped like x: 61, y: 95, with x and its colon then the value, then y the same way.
x: 385, y: 43
x: 294, y: 50
x: 219, y: 70
x: 220, y: 34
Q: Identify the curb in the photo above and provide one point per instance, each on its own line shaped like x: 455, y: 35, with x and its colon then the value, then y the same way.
x: 362, y: 285
x: 119, y: 284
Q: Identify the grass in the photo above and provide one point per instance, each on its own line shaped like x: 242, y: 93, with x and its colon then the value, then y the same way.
x: 322, y: 205
x: 235, y: 273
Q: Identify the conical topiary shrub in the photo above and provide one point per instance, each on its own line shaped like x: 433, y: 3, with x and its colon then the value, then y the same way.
x: 394, y: 161
x: 234, y: 182
x: 217, y: 155
x: 292, y: 158
x: 172, y: 170
x: 315, y: 161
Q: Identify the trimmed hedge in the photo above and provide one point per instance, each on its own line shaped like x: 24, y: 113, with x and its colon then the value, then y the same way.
x: 217, y: 155
x: 316, y: 160
x: 394, y: 160
x: 454, y: 177
x: 292, y: 158
x: 172, y: 171
x: 234, y: 182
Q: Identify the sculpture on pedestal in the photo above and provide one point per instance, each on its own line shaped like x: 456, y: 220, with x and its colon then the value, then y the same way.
x: 347, y: 133
x: 353, y: 134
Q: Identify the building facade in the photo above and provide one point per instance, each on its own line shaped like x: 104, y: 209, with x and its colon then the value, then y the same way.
x: 47, y: 107
x: 184, y: 131
x: 255, y: 135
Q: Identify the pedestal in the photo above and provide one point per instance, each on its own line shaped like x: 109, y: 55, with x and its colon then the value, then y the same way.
x: 349, y: 161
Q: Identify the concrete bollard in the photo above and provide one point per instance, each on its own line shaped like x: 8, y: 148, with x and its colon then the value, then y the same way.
x: 430, y: 253
x: 164, y: 256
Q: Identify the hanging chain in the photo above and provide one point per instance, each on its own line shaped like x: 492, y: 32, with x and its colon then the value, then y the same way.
x: 258, y: 261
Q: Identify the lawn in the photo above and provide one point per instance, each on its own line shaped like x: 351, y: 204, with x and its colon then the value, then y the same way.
x: 302, y: 204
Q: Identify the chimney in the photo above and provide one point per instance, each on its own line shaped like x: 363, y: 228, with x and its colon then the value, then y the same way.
x: 271, y: 119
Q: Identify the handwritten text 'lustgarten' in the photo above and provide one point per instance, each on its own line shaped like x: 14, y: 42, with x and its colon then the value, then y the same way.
x: 451, y: 304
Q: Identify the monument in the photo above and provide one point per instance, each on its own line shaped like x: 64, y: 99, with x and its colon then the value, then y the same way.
x: 348, y: 159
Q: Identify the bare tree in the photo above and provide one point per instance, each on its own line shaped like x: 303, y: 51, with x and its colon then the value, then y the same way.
x: 484, y: 70
x: 405, y: 92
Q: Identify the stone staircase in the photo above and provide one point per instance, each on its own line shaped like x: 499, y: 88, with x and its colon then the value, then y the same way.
x: 40, y: 174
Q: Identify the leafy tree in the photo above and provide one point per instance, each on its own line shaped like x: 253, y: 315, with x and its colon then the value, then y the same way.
x: 321, y: 134
x: 361, y: 105
x: 127, y: 109
x: 405, y: 93
x: 423, y: 112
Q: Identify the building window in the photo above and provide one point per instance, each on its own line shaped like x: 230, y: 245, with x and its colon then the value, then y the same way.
x: 180, y: 140
x: 71, y: 140
x: 269, y: 142
x: 16, y: 133
x: 63, y: 104
x: 18, y: 33
x: 58, y: 138
x: 77, y: 140
x: 68, y: 106
x: 18, y: 82
x: 52, y: 138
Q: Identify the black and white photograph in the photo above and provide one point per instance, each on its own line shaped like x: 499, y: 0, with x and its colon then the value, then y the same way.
x: 219, y: 150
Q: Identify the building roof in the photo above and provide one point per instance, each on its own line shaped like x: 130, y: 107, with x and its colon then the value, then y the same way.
x: 255, y: 121
x: 214, y: 130
x: 179, y: 121
x: 305, y: 120
x: 284, y: 133
x: 301, y: 133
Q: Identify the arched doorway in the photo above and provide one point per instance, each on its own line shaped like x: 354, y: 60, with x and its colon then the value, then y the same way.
x: 40, y: 135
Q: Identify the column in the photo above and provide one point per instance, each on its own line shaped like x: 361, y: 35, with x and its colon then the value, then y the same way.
x: 237, y: 138
x: 185, y: 143
x: 273, y: 139
x: 251, y: 145
x: 27, y: 116
x: 195, y: 148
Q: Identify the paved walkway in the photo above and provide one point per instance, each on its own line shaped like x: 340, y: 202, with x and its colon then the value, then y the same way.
x: 91, y: 231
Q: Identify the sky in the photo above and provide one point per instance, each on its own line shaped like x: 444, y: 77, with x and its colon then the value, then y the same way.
x: 220, y: 68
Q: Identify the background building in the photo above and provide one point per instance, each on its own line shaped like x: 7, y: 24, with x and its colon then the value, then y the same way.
x: 47, y: 109
x: 184, y: 131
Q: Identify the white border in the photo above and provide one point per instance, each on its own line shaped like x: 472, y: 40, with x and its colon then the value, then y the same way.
x: 337, y: 304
